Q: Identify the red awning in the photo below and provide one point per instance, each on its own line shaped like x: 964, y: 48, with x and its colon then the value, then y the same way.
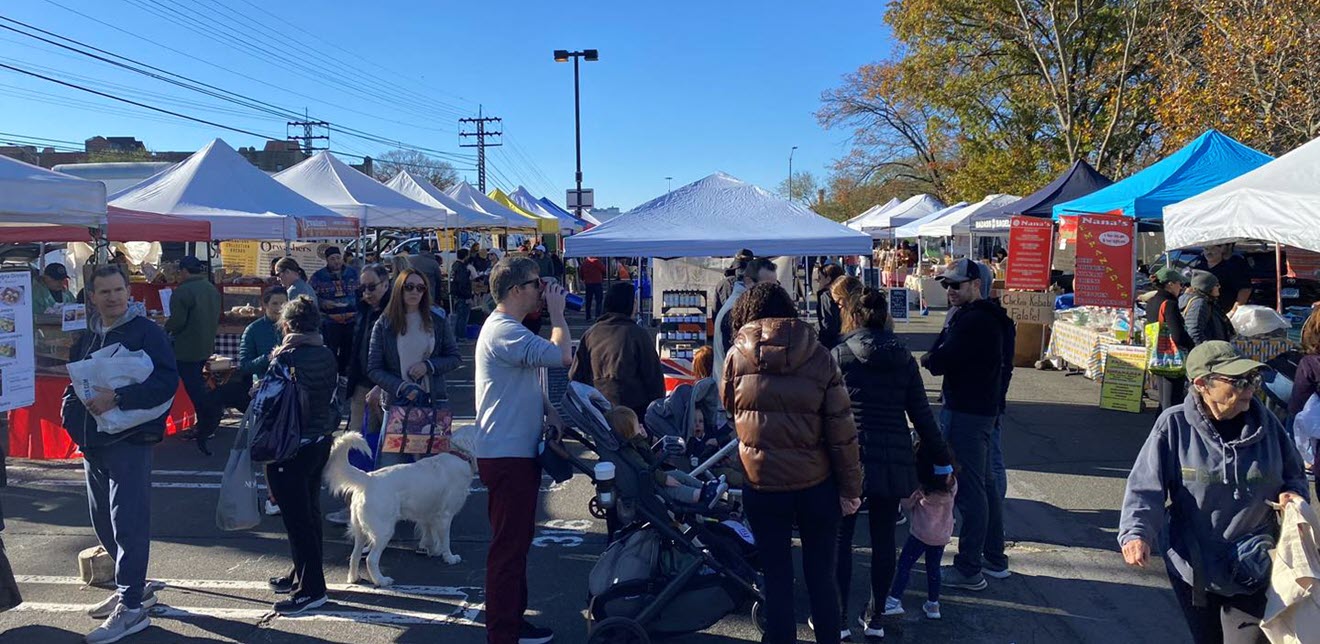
x: 124, y: 225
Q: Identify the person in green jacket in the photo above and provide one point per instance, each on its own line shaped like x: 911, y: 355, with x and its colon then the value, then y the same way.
x: 259, y: 339
x: 50, y: 290
x: 194, y: 320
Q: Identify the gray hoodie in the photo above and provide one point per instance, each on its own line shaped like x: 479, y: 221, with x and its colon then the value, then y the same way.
x: 1216, y: 491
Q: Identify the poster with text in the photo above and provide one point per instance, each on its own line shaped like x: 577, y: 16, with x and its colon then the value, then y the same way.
x: 18, y: 368
x: 1124, y: 378
x: 898, y: 304
x: 1030, y: 249
x: 1104, y: 272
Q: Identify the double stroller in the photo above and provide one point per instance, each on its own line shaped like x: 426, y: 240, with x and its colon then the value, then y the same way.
x: 670, y: 569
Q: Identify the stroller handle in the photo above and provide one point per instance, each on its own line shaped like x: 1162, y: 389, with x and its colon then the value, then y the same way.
x: 716, y: 458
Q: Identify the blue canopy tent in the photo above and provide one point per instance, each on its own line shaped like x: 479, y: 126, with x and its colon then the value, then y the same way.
x: 1206, y: 162
x: 1078, y: 181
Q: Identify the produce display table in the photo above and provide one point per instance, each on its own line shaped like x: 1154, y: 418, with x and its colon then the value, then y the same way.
x: 1080, y: 347
x: 35, y: 432
x: 929, y: 290
x: 1264, y: 349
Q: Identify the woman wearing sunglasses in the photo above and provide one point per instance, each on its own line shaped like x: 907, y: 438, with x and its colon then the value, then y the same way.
x: 1203, y: 483
x: 412, y: 348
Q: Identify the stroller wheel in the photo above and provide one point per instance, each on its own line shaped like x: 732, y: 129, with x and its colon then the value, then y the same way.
x: 594, y: 507
x: 618, y: 630
x: 758, y: 615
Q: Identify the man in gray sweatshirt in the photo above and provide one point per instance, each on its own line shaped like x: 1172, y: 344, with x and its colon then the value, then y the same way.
x: 1202, y: 485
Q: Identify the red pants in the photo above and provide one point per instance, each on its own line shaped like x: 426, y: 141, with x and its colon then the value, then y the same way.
x: 513, y: 485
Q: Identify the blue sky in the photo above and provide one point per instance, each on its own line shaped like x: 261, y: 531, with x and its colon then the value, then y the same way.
x: 682, y: 88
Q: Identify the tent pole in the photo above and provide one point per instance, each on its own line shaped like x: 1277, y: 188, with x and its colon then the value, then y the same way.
x: 1278, y: 278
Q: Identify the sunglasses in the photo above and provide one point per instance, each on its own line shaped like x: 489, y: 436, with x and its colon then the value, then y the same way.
x: 414, y: 288
x: 370, y: 287
x: 1241, y: 383
x: 953, y: 286
x: 536, y: 281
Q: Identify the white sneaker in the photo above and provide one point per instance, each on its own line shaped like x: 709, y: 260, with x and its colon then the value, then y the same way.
x: 932, y: 610
x: 105, y: 608
x: 121, y: 623
x: 893, y: 606
x: 844, y: 634
x: 871, y: 629
x: 339, y: 517
x: 272, y: 509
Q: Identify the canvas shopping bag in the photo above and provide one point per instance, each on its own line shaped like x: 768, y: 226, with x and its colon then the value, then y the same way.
x: 238, y: 508
x: 421, y: 429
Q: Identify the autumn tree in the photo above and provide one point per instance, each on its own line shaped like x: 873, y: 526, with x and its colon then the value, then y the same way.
x: 804, y: 189
x: 440, y: 173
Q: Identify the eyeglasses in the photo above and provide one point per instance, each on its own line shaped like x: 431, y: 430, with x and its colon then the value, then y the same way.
x: 369, y: 287
x: 953, y: 286
x: 536, y: 281
x: 1242, y: 383
x: 414, y: 288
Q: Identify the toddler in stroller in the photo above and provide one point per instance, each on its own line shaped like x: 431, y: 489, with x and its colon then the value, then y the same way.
x: 675, y: 484
x: 693, y: 413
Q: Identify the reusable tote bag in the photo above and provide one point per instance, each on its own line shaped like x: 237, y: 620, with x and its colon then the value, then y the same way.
x: 422, y: 428
x: 1163, y: 357
x: 238, y: 506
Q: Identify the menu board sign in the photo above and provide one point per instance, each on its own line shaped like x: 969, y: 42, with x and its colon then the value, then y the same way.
x: 1030, y: 249
x: 1104, y: 261
x: 18, y: 367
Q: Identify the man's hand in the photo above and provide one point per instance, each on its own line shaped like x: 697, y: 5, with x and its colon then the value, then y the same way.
x: 554, y: 301
x: 849, y: 506
x: 418, y: 371
x: 1136, y: 553
x: 103, y: 401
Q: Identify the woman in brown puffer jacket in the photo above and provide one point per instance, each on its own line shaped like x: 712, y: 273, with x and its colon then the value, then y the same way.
x: 799, y: 448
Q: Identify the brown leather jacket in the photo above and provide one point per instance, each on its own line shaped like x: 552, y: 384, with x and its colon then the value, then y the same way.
x: 790, y: 408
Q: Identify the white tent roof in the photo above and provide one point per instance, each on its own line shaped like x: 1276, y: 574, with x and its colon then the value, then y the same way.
x: 879, y: 224
x: 1277, y: 202
x: 530, y: 203
x: 466, y: 194
x: 873, y: 209
x: 955, y: 223
x: 716, y: 217
x: 457, y: 214
x: 337, y: 186
x: 911, y: 229
x: 220, y: 186
x: 30, y: 195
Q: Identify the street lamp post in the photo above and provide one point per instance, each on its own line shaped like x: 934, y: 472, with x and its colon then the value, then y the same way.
x: 562, y: 56
x: 670, y: 187
x: 790, y: 172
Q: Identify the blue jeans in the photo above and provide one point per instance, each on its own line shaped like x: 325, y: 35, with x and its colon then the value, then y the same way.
x: 462, y: 311
x: 912, y: 550
x: 119, y: 497
x: 982, y: 535
x: 997, y: 459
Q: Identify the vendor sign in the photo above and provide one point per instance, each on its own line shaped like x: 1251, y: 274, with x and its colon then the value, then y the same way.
x: 1030, y: 250
x: 18, y: 372
x: 307, y: 254
x: 1104, y: 272
x: 1028, y: 306
x: 1124, y: 378
x: 242, y: 256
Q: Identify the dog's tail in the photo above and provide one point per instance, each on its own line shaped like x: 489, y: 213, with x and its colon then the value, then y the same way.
x: 340, y: 475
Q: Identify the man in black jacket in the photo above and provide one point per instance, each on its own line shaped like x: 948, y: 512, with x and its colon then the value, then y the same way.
x: 969, y: 353
x: 460, y: 290
x: 121, y: 462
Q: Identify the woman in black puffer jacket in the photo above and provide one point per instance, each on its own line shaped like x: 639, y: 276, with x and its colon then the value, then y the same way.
x: 887, y: 393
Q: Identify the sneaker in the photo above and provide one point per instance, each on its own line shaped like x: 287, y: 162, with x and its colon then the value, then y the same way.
x: 272, y: 509
x: 299, y: 604
x: 531, y: 634
x: 339, y: 517
x: 845, y: 635
x: 281, y: 585
x: 893, y: 606
x: 997, y: 573
x: 121, y: 623
x: 932, y: 610
x: 711, y: 491
x: 951, y: 577
x: 105, y: 608
x: 872, y: 627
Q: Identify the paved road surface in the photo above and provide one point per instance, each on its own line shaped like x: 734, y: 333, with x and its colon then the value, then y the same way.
x: 1067, y: 462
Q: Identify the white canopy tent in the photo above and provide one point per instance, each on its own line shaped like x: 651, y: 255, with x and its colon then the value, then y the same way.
x: 955, y: 222
x: 716, y: 217
x: 33, y: 196
x: 457, y: 214
x: 909, y: 230
x: 218, y: 185
x: 530, y: 203
x: 873, y: 210
x: 467, y: 195
x: 1278, y: 202
x: 880, y: 225
x: 334, y: 184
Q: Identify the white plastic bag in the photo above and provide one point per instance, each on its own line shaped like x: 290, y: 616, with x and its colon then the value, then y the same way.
x: 113, y: 367
x: 1250, y: 319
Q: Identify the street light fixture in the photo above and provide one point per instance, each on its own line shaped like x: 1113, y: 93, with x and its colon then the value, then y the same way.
x: 790, y: 172
x: 670, y: 188
x: 562, y: 56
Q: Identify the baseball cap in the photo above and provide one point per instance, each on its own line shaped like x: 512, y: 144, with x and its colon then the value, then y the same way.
x: 540, y: 247
x: 1218, y: 357
x: 1204, y: 281
x: 56, y: 271
x: 1167, y: 275
x: 191, y: 264
x: 963, y: 270
x: 331, y: 250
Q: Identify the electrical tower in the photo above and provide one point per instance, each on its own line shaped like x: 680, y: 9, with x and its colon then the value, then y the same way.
x: 307, y: 140
x: 481, y: 144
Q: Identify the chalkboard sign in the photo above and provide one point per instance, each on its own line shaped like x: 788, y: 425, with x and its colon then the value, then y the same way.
x: 898, y: 304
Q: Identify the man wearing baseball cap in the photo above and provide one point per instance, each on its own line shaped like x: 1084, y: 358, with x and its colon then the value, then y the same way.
x: 336, y: 287
x: 51, y: 290
x: 969, y: 354
x: 1202, y: 484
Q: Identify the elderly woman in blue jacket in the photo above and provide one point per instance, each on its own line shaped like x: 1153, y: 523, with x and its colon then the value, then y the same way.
x: 1202, y: 484
x: 412, y: 348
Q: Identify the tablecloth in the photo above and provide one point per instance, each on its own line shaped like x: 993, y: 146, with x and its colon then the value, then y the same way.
x: 227, y: 344
x: 35, y: 432
x: 1263, y: 349
x: 929, y: 290
x: 1080, y: 347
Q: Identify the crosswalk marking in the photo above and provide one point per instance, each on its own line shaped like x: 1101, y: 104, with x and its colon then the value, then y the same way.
x: 384, y: 616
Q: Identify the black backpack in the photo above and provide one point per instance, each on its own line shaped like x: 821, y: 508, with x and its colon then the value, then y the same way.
x: 279, y: 411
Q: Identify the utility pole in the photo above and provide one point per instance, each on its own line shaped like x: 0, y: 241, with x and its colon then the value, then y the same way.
x: 306, y: 141
x: 481, y: 133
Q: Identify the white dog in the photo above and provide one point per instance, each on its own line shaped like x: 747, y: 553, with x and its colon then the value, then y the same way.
x: 428, y: 493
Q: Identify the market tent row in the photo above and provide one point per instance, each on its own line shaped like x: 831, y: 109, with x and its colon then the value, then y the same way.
x: 871, y: 211
x: 326, y: 180
x: 547, y: 224
x: 467, y: 195
x: 33, y: 196
x: 1206, y: 162
x: 587, y: 219
x: 1278, y: 202
x: 716, y: 217
x: 219, y: 186
x: 457, y: 215
x: 1077, y: 181
x: 525, y: 200
x: 956, y: 223
x: 910, y: 230
x: 880, y: 225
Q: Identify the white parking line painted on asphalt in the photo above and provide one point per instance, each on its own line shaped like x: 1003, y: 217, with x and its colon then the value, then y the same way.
x: 402, y: 591
x: 182, y: 485
x: 460, y: 617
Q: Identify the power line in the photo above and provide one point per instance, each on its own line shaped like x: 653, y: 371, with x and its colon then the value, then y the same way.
x: 481, y: 144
